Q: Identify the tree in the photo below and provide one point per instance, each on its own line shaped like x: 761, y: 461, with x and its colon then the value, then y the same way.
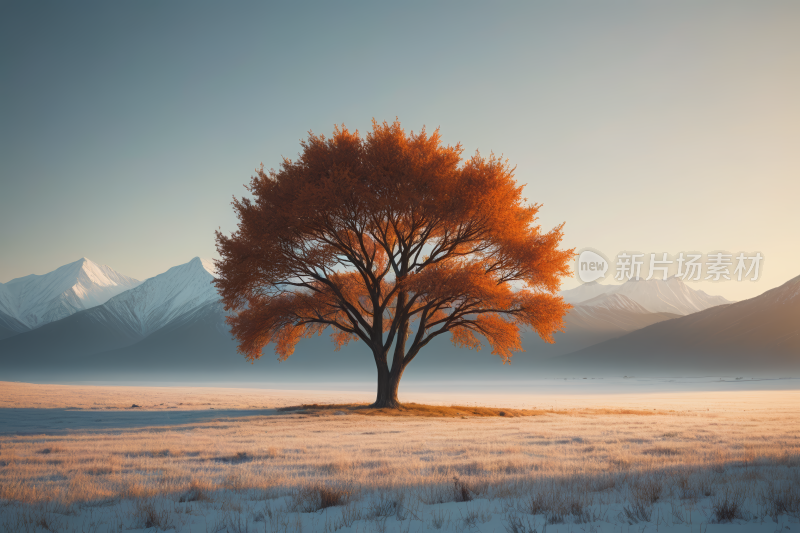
x: 391, y: 240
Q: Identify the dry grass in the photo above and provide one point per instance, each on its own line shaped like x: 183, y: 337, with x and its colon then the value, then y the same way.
x: 425, y: 446
x: 317, y: 496
x: 559, y: 464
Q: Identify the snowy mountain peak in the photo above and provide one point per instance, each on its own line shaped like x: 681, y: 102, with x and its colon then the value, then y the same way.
x: 655, y: 296
x: 36, y: 300
x: 206, y: 264
x: 166, y: 296
x: 669, y: 296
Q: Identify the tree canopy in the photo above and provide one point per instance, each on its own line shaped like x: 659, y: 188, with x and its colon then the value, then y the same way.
x: 391, y: 239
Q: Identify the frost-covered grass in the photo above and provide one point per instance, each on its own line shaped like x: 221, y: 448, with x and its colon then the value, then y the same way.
x: 683, y: 499
x: 597, y: 468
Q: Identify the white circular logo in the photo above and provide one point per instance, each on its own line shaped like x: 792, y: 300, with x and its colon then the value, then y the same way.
x: 591, y: 266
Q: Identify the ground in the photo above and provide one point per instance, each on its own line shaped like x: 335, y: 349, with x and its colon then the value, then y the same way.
x: 80, y: 458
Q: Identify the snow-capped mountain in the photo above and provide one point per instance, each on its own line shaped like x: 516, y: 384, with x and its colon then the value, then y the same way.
x: 36, y: 300
x: 164, y: 297
x: 122, y: 321
x: 586, y: 291
x: 655, y: 296
x: 669, y: 296
x: 756, y: 336
x: 614, y: 301
x: 607, y: 316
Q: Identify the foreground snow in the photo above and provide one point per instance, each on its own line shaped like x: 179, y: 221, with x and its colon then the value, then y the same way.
x: 395, y: 512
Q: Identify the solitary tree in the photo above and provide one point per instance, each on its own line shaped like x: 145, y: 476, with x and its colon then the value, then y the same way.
x: 392, y: 240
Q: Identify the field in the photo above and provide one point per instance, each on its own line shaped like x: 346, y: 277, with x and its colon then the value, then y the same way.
x: 79, y: 458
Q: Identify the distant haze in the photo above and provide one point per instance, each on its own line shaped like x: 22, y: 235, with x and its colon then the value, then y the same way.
x: 171, y: 328
x: 125, y: 128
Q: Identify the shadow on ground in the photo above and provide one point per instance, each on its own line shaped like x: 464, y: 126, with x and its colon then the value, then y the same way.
x: 65, y: 421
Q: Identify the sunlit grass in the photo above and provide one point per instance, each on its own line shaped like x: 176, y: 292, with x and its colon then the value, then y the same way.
x: 561, y: 464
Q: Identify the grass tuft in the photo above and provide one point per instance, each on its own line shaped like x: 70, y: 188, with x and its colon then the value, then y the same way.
x: 197, y: 492
x: 727, y: 506
x: 781, y: 499
x: 317, y: 496
x: 51, y: 449
x: 146, y: 515
x: 462, y: 492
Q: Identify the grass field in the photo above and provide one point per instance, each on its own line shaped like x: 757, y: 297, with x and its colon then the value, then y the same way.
x: 666, y: 462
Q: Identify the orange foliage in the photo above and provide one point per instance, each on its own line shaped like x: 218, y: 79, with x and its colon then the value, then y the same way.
x: 391, y: 239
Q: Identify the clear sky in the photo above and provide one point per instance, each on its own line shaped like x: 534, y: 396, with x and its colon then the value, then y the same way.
x: 126, y: 127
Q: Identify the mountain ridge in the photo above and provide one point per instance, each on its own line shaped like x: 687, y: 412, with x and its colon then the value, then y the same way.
x: 36, y: 300
x: 759, y: 334
x: 123, y: 320
x: 158, y: 300
x: 656, y: 296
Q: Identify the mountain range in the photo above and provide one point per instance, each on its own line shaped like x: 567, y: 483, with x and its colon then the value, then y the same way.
x: 758, y: 336
x: 121, y: 321
x: 656, y: 296
x: 172, y: 326
x: 33, y: 301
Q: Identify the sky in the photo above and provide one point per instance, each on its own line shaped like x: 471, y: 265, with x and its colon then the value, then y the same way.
x: 127, y: 127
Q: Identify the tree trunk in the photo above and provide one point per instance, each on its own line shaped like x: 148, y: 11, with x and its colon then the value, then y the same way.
x: 388, y: 383
x: 389, y: 380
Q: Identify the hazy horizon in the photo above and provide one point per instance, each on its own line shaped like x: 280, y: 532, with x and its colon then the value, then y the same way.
x: 568, y: 284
